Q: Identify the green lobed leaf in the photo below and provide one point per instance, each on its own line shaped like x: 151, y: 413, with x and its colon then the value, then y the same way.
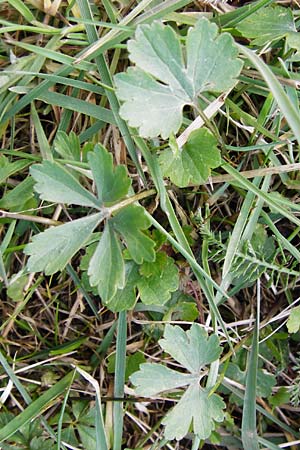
x: 293, y: 323
x: 51, y: 250
x: 112, y: 182
x: 192, y: 348
x: 19, y: 195
x: 130, y: 222
x: 164, y: 84
x: 67, y: 145
x: 106, y: 269
x: 197, y: 408
x: 158, y: 279
x: 55, y: 184
x: 152, y: 379
x: 267, y: 24
x: 154, y: 280
x: 192, y: 164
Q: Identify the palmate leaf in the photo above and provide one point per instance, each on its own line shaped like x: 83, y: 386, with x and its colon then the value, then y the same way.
x: 156, y: 90
x: 193, y: 163
x: 112, y: 182
x: 54, y: 183
x: 268, y: 24
x: 51, y: 250
x: 197, y: 407
x: 154, y: 280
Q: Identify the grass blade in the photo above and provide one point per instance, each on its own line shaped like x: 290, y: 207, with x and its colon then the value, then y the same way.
x: 284, y: 103
x: 86, y: 13
x: 101, y: 440
x: 22, y: 9
x: 41, y: 137
x: 35, y: 408
x: 120, y: 379
x: 249, y: 435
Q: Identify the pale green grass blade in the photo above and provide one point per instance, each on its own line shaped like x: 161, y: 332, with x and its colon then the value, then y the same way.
x: 237, y: 232
x: 20, y: 6
x: 54, y: 55
x: 76, y: 280
x: 12, y: 168
x: 135, y: 17
x: 284, y: 103
x: 13, y: 28
x: 14, y: 379
x: 232, y: 18
x: 101, y: 440
x: 249, y: 435
x: 41, y: 137
x: 36, y: 407
x: 80, y: 106
x: 86, y: 13
x: 285, y: 243
x: 204, y: 279
x: 62, y: 412
x: 200, y: 274
x: 119, y: 379
x: 22, y: 390
x: 261, y: 410
x: 268, y: 445
x: 38, y: 62
x: 3, y: 273
x: 76, y: 83
x: 251, y: 187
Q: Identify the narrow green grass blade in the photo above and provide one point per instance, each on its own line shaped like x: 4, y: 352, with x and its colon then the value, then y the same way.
x: 12, y: 28
x: 77, y: 282
x: 285, y: 243
x: 62, y: 413
x: 204, y: 279
x: 80, y: 106
x: 263, y: 411
x: 284, y: 103
x: 14, y: 379
x: 76, y: 83
x: 268, y: 445
x: 3, y: 274
x: 200, y: 274
x: 120, y: 379
x: 22, y: 9
x: 101, y: 440
x: 232, y: 18
x: 86, y: 13
x: 12, y: 168
x: 54, y: 55
x: 41, y: 137
x: 249, y: 435
x: 246, y: 184
x: 36, y: 66
x: 36, y: 408
x: 237, y: 232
